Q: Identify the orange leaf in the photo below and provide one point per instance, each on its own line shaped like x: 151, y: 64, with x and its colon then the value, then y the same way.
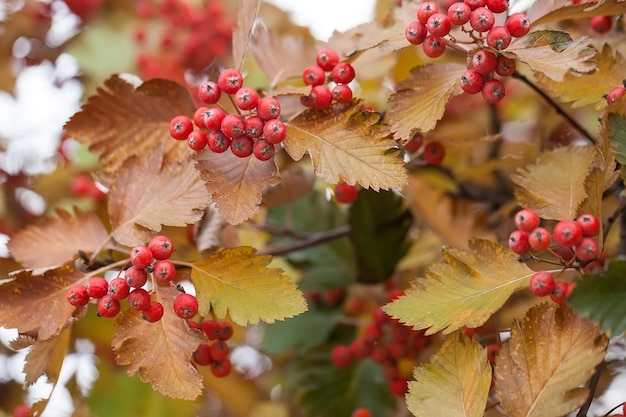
x: 246, y: 15
x: 47, y: 357
x: 235, y: 184
x: 160, y: 352
x: 146, y: 194
x: 58, y: 239
x: 121, y: 121
x: 36, y: 304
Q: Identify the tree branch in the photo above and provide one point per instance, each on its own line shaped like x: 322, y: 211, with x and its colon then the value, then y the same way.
x: 593, y: 385
x: 312, y: 240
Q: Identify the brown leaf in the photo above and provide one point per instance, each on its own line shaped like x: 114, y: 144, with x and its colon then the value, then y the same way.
x: 160, y: 352
x: 36, y: 304
x: 235, y: 184
x: 419, y: 101
x: 345, y: 143
x: 550, y: 354
x: 207, y: 231
x: 246, y: 15
x: 295, y: 183
x: 120, y: 122
x: 58, y: 239
x: 47, y: 357
x: 146, y: 194
x: 551, y: 10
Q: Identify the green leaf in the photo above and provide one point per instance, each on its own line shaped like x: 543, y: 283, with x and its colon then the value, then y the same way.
x: 600, y: 297
x: 379, y: 223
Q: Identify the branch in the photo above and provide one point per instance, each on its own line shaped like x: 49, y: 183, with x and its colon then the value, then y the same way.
x: 312, y: 240
x: 593, y: 385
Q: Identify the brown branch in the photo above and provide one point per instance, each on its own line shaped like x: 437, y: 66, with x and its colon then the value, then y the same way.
x: 312, y: 240
x: 593, y: 385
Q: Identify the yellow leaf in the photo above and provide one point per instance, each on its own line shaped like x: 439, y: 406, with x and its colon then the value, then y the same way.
x: 419, y: 102
x: 464, y: 291
x: 46, y: 357
x: 554, y: 186
x: 457, y: 380
x: 237, y: 282
x: 345, y: 143
x: 553, y: 53
x: 160, y: 352
x: 550, y: 354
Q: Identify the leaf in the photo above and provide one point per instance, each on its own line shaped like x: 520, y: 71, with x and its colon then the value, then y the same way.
x: 584, y: 89
x: 36, y: 304
x: 120, y: 122
x: 599, y: 297
x: 237, y: 282
x: 550, y: 354
x: 553, y: 53
x: 47, y: 357
x: 58, y: 239
x: 235, y: 184
x: 457, y: 379
x: 552, y: 10
x: 160, y: 352
x: 379, y: 224
x: 554, y: 186
x: 146, y: 194
x: 464, y: 291
x: 345, y: 143
x: 419, y: 101
x: 207, y: 230
x: 246, y: 15
x: 613, y: 128
x: 294, y: 184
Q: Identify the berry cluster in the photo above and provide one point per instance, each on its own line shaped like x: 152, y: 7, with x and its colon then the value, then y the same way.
x: 615, y: 93
x: 387, y: 342
x: 341, y: 73
x: 255, y: 133
x: 216, y: 353
x: 576, y: 247
x: 433, y: 152
x: 476, y: 18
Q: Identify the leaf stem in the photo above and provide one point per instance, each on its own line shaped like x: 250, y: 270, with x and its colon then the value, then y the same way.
x: 311, y: 240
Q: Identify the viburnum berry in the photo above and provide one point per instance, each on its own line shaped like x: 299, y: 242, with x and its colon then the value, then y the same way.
x: 219, y: 350
x: 21, y: 410
x: 97, y: 287
x: 415, y: 143
x: 213, y: 118
x: 567, y: 233
x: 343, y: 73
x: 601, y: 24
x: 587, y: 249
x: 433, y: 47
x: 416, y: 32
x: 379, y: 354
x: 221, y: 369
x: 263, y: 150
x: 361, y: 412
x: 615, y: 94
x: 198, y: 117
x: 459, y: 13
x: 197, y: 140
x: 526, y: 220
x: 141, y: 256
x: 119, y: 289
x: 230, y: 80
x: 345, y: 193
x: 242, y: 146
x: 560, y: 292
x: 434, y: 153
x: 225, y: 330
x: 361, y: 347
x: 497, y: 6
x: 185, y: 306
x: 253, y: 126
x: 153, y: 313
x: 399, y: 386
x: 493, y: 91
x: 274, y: 131
x: 313, y: 75
x: 439, y: 25
x: 484, y: 61
x: 472, y: 81
x: 475, y: 4
x: 164, y: 270
x: 589, y: 224
x: 211, y: 328
x: 77, y: 296
x: 180, y: 127
x: 379, y: 316
x: 542, y: 283
x: 209, y: 92
x: 218, y: 142
x: 202, y: 355
x: 320, y: 97
x: 327, y: 59
x: 539, y: 239
x: 499, y: 38
x: 246, y: 98
x: 139, y: 299
x: 518, y: 24
x: 108, y: 306
x: 518, y: 242
x: 425, y: 10
x: 268, y: 108
x: 482, y: 19
x: 232, y: 126
x: 505, y: 66
x: 341, y: 93
x: 161, y: 247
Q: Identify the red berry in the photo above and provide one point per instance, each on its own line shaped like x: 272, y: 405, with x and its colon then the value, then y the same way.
x: 343, y: 73
x: 539, y: 239
x: 434, y: 153
x: 97, y: 287
x: 232, y: 126
x: 416, y: 32
x: 459, y: 13
x: 77, y: 296
x: 499, y: 37
x: 601, y: 24
x: 218, y: 142
x: 225, y: 330
x: 253, y: 126
x: 505, y: 66
x: 399, y: 386
x: 518, y: 242
x: 415, y: 143
x: 518, y: 24
x: 219, y: 350
x: 164, y: 271
x: 230, y: 80
x: 439, y: 25
x: 615, y: 94
x: 209, y: 92
x: 180, y: 127
x: 361, y: 412
x: 484, y: 61
x: 345, y: 193
x: 263, y: 150
x: 242, y: 146
x: 313, y: 75
x: 341, y: 93
x: 379, y: 316
x: 425, y: 10
x: 472, y: 81
x: 268, y: 108
x: 380, y: 354
x: 139, y: 299
x: 475, y: 4
x: 211, y: 328
x: 320, y: 97
x: 492, y: 351
x: 185, y: 306
x: 153, y: 313
x: 589, y: 224
x: 327, y: 59
x: 587, y: 249
x: 560, y: 292
x: 198, y: 117
x: 197, y: 140
x: 221, y: 369
x: 141, y: 256
x: 567, y: 233
x: 542, y: 283
x: 108, y: 306
x: 21, y: 410
x: 497, y: 6
x: 433, y: 47
x: 119, y: 289
x: 526, y: 220
x: 493, y: 91
x: 274, y: 131
x: 482, y: 19
x: 361, y: 347
x: 246, y: 98
x: 202, y: 355
x: 213, y: 118
x: 161, y: 247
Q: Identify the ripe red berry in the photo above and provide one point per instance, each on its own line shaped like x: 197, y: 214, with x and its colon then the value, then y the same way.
x: 493, y: 91
x: 119, y: 289
x: 219, y: 350
x: 425, y: 10
x: 415, y: 143
x: 213, y: 118
x: 415, y: 32
x: 439, y: 25
x: 198, y: 117
x: 108, y: 306
x: 153, y: 313
x: 615, y: 94
x: 185, y: 306
x: 601, y: 24
x: 230, y: 80
x: 218, y: 142
x: 459, y: 13
x: 211, y: 328
x: 472, y: 81
x: 343, y: 73
x: 139, y: 299
x: 268, y: 108
x: 499, y: 37
x: 320, y: 97
x: 242, y: 146
x: 492, y: 352
x: 246, y: 98
x: 434, y: 153
x: 542, y: 283
x: 161, y: 247
x: 253, y: 126
x: 518, y: 242
x: 313, y: 75
x: 180, y: 127
x: 475, y: 4
x: 589, y: 224
x: 505, y: 66
x: 327, y: 59
x: 221, y: 369
x: 263, y: 150
x: 164, y: 270
x: 399, y: 386
x: 560, y: 292
x: 202, y: 355
x: 345, y: 193
x: 379, y: 354
x: 587, y: 249
x: 197, y: 140
x: 232, y: 126
x: 482, y: 19
x: 361, y: 347
x: 433, y: 47
x: 484, y: 61
x: 225, y: 330
x: 97, y: 287
x: 497, y: 6
x: 341, y: 93
x: 539, y: 239
x: 361, y: 412
x: 526, y: 220
x: 209, y: 92
x: 77, y: 296
x: 21, y: 410
x: 141, y: 256
x: 567, y: 233
x: 518, y: 24
x: 274, y: 131
x: 341, y: 356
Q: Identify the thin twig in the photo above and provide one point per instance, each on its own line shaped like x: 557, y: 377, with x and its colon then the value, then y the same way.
x: 312, y: 240
x: 593, y: 385
x: 613, y: 217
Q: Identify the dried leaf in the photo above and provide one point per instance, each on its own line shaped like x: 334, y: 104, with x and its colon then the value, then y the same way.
x: 237, y: 282
x: 36, y: 304
x: 347, y: 144
x: 47, y: 357
x: 146, y: 194
x: 419, y: 101
x: 613, y: 130
x: 120, y: 122
x: 464, y: 291
x: 58, y: 239
x: 550, y: 354
x: 294, y: 183
x: 553, y: 53
x: 160, y: 352
x: 551, y: 10
x: 457, y: 379
x: 235, y: 184
x: 207, y: 230
x: 246, y: 15
x: 554, y: 186
x: 584, y: 89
